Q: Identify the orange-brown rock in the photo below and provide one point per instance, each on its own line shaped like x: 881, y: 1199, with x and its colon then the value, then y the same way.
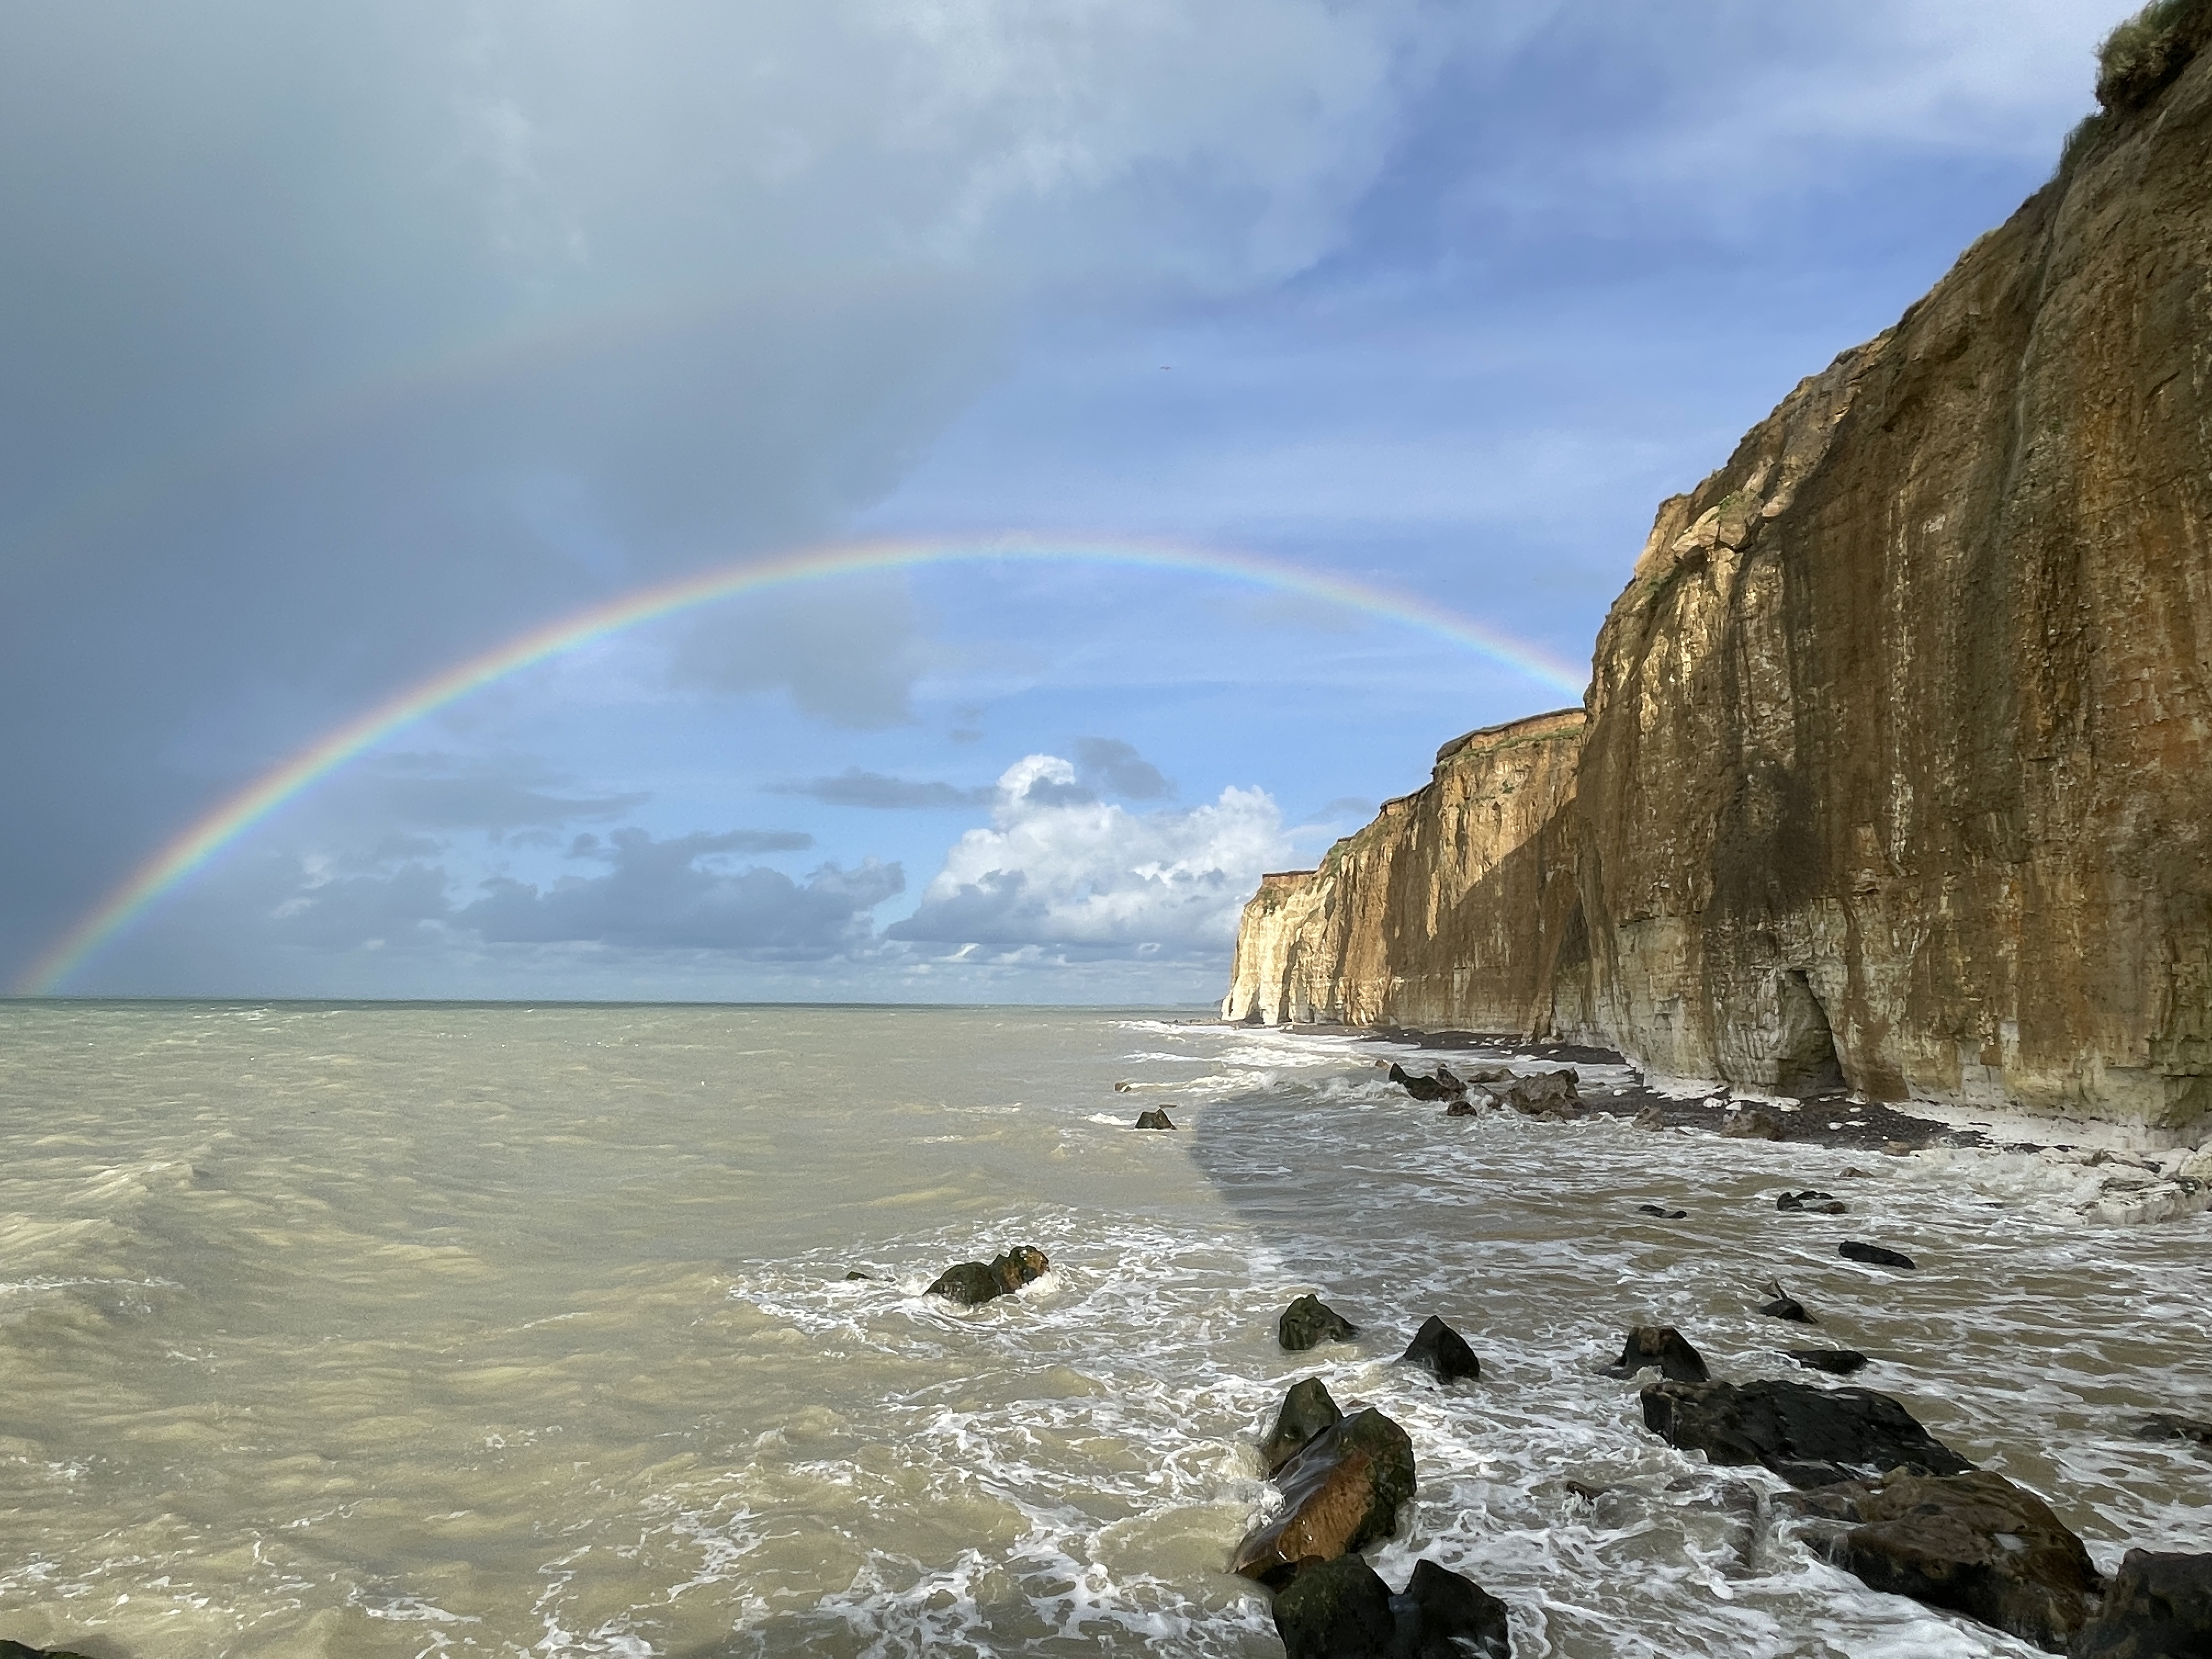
x: 1897, y: 766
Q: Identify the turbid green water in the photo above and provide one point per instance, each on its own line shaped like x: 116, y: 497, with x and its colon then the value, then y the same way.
x: 410, y: 1330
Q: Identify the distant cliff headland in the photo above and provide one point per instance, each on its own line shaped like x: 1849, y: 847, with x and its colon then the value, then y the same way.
x: 1897, y: 756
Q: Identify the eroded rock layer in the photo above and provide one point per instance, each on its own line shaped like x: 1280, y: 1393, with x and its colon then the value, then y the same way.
x: 1898, y: 765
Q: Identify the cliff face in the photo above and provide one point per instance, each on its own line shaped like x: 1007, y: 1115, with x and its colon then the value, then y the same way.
x: 1453, y: 908
x: 1900, y: 750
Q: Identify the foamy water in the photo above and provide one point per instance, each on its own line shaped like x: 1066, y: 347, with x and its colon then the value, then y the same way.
x: 400, y: 1331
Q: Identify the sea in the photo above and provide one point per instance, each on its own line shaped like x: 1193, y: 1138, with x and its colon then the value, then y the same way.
x: 406, y: 1330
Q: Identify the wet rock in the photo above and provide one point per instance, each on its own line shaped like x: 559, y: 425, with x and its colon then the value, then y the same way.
x: 1461, y: 1108
x: 1307, y: 1410
x: 1752, y: 1124
x: 2158, y: 1606
x: 1421, y: 1088
x: 1341, y: 1493
x: 1154, y: 1120
x: 1549, y: 1094
x: 1310, y: 1320
x: 1972, y: 1543
x: 2164, y: 1426
x: 1651, y: 1118
x: 970, y: 1282
x: 1814, y: 1202
x: 1852, y: 1250
x: 1125, y: 1088
x: 1810, y: 1436
x: 17, y: 1650
x: 854, y: 1272
x: 1661, y: 1212
x: 1837, y: 1362
x: 1438, y: 1348
x: 1342, y: 1609
x: 1662, y: 1346
x: 1785, y: 1306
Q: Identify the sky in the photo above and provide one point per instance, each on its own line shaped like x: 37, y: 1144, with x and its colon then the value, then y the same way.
x: 343, y: 344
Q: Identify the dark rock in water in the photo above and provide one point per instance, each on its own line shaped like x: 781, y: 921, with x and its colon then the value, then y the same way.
x: 1340, y: 1494
x: 1651, y: 1118
x: 1451, y: 1085
x: 2158, y: 1606
x: 1973, y: 1543
x: 1487, y: 1074
x: 1661, y: 1212
x: 1550, y: 1094
x: 1437, y: 1347
x: 1443, y: 1616
x: 853, y: 1273
x: 1662, y: 1346
x: 17, y: 1650
x: 1461, y: 1106
x: 1338, y: 1609
x: 970, y: 1282
x: 1125, y: 1088
x: 1310, y: 1320
x: 1584, y: 1490
x: 1816, y: 1203
x: 1785, y: 1306
x: 1153, y: 1120
x: 1421, y: 1088
x: 1809, y: 1437
x: 1852, y: 1250
x: 1837, y: 1362
x: 2164, y: 1426
x: 1307, y: 1410
x: 1752, y: 1124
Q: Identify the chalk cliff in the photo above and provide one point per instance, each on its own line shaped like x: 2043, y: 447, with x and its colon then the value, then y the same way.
x: 1898, y: 751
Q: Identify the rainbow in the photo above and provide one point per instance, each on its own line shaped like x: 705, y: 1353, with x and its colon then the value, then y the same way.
x: 207, y: 836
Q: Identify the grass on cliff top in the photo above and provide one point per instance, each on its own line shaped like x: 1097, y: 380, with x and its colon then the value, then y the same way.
x: 2140, y: 57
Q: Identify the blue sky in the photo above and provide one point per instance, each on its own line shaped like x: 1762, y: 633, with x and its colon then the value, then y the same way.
x: 343, y: 342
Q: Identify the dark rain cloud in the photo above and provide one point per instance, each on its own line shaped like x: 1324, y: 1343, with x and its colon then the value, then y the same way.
x: 1119, y: 768
x: 856, y: 788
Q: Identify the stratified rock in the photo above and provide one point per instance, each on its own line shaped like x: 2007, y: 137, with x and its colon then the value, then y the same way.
x: 1153, y: 1120
x: 1337, y: 1609
x: 1662, y: 1346
x: 1661, y: 1212
x: 1816, y: 1202
x: 1438, y: 1348
x: 1752, y: 1123
x: 1783, y: 1305
x: 1341, y: 1493
x: 1809, y: 1437
x: 1307, y: 1410
x: 2158, y: 1606
x: 1852, y: 1250
x: 1310, y: 1320
x: 971, y: 1282
x: 2164, y: 1426
x: 1898, y: 739
x: 1973, y: 1543
x: 1837, y: 1362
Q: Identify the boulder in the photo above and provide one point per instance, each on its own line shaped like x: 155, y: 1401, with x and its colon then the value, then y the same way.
x: 1810, y: 1436
x: 853, y: 1274
x: 2164, y: 1426
x: 1307, y: 1410
x: 1651, y: 1118
x: 1341, y: 1493
x: 1663, y: 1346
x: 1438, y: 1348
x: 1785, y: 1306
x: 1153, y: 1120
x: 1852, y: 1250
x: 1751, y: 1124
x: 970, y: 1282
x: 1814, y: 1202
x: 1342, y: 1609
x: 1124, y: 1088
x: 2158, y: 1606
x: 1972, y: 1543
x: 1421, y: 1088
x: 17, y: 1650
x: 1310, y: 1320
x: 1837, y: 1362
x: 1463, y: 1107
x: 1443, y: 1616
x: 1548, y: 1094
x: 1661, y: 1212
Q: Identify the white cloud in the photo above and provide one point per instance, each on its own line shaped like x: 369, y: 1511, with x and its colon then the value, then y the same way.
x: 1058, y: 875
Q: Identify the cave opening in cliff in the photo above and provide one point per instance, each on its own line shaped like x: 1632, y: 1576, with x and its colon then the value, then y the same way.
x: 1806, y: 1062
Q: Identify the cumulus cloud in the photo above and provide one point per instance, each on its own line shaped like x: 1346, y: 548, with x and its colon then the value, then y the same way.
x: 1062, y: 871
x: 668, y: 895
